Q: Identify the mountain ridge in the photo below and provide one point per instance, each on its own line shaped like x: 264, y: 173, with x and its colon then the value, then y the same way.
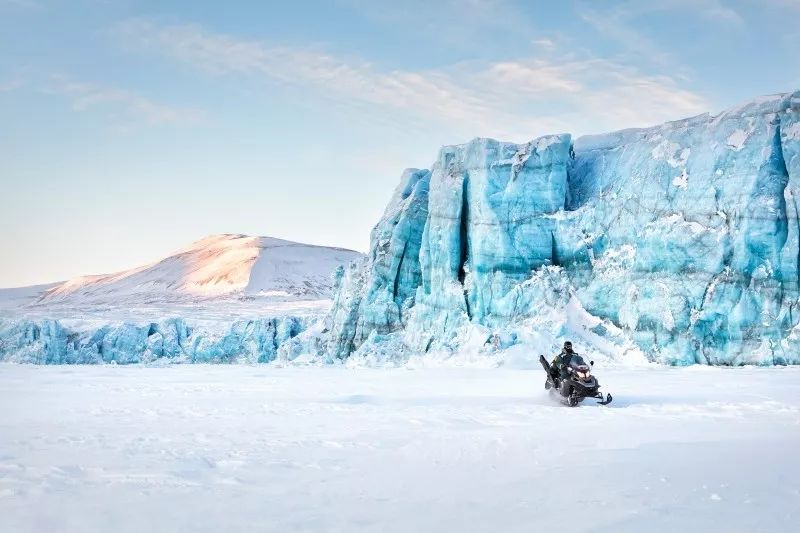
x: 216, y: 266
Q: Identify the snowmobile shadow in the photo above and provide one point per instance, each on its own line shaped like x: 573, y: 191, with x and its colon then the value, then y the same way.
x: 551, y: 400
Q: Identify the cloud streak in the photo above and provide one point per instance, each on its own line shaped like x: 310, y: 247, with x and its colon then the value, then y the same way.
x: 454, y: 23
x: 11, y: 85
x: 515, y: 98
x: 126, y: 108
x: 619, y: 24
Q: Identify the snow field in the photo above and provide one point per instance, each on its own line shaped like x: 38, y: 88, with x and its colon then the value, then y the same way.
x: 262, y: 448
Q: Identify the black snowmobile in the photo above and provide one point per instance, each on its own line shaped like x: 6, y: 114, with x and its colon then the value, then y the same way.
x: 578, y: 385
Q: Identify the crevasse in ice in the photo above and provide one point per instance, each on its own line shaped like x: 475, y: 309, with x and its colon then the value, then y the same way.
x: 685, y: 237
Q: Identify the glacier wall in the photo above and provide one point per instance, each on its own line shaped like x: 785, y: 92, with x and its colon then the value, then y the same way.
x: 175, y: 340
x: 374, y: 294
x: 683, y: 238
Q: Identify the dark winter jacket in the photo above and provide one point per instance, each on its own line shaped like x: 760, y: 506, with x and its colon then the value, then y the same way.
x: 561, y: 362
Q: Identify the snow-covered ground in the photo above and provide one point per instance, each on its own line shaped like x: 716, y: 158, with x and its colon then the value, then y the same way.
x: 262, y: 448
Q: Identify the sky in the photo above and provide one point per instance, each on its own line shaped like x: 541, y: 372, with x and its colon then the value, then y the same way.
x: 129, y: 129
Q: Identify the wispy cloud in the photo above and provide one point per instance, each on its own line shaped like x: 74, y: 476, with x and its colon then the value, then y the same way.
x: 535, y: 76
x: 354, y: 80
x: 516, y: 98
x: 615, y: 25
x: 544, y: 43
x: 449, y: 22
x: 711, y: 10
x: 620, y: 23
x: 7, y: 86
x: 126, y: 108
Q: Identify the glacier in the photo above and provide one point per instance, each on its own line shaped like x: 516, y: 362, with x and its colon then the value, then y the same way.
x: 678, y: 243
x: 173, y: 340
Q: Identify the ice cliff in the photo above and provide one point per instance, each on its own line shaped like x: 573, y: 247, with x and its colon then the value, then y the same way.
x: 681, y: 241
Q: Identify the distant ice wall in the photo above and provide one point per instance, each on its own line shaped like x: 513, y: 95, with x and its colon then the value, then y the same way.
x: 172, y: 340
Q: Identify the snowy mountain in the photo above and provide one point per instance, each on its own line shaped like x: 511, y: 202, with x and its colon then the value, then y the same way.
x: 216, y: 267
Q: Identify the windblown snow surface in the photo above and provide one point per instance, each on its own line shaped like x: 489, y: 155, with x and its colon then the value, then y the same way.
x: 240, y: 448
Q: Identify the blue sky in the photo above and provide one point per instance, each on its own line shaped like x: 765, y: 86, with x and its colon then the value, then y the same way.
x: 129, y: 129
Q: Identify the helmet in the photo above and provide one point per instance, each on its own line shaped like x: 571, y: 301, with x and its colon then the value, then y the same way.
x: 568, y: 346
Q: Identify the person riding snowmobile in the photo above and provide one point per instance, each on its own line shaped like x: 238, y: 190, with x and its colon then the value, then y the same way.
x: 569, y: 378
x: 561, y: 361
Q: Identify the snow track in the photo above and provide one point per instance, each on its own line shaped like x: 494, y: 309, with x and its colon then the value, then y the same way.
x: 260, y: 448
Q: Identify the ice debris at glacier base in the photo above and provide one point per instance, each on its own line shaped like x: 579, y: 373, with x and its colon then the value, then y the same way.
x: 683, y: 238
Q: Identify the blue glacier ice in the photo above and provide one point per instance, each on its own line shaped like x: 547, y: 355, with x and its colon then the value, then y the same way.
x: 176, y: 340
x: 680, y: 241
x: 374, y: 294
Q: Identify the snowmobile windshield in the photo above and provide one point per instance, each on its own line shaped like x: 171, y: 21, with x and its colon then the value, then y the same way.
x: 577, y: 361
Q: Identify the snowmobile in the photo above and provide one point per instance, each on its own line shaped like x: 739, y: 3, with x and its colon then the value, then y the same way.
x: 577, y: 386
